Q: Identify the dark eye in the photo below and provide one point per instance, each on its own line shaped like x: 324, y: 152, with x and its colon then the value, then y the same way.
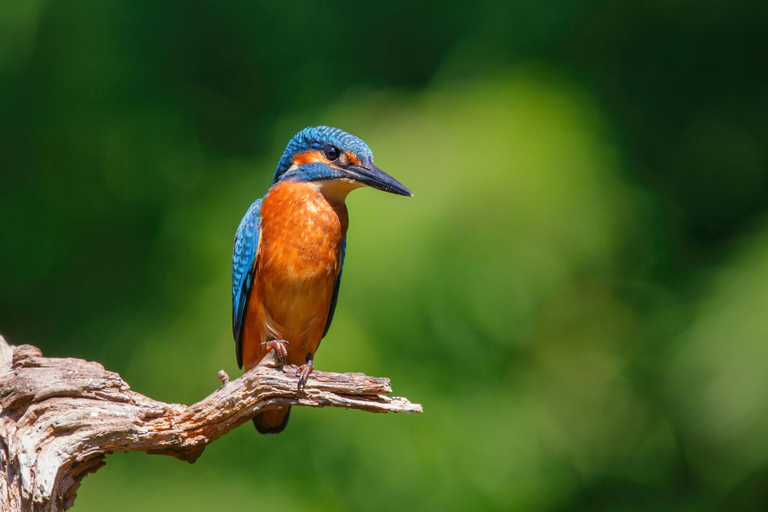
x: 331, y: 152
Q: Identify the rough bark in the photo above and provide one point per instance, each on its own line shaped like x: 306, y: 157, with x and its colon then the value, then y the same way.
x: 59, y: 418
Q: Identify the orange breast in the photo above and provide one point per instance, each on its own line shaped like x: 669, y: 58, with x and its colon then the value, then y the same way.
x: 297, y: 265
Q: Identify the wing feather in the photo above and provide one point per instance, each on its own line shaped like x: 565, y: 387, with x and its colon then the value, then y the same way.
x: 336, y: 286
x: 243, y: 270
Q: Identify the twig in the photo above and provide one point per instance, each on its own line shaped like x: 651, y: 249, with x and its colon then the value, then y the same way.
x: 60, y: 417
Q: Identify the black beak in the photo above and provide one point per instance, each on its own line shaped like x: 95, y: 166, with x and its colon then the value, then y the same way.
x: 376, y: 178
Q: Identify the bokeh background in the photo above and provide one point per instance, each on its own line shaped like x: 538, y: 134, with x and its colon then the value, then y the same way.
x: 577, y: 293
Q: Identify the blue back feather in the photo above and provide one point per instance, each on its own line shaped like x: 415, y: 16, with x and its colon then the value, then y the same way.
x: 243, y: 259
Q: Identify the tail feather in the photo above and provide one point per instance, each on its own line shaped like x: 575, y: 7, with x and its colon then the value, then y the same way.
x: 272, y: 421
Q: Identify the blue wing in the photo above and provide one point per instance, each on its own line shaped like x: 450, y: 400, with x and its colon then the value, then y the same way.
x: 243, y: 268
x: 335, y: 295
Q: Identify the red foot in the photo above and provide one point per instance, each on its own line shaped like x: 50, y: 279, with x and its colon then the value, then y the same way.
x: 280, y: 349
x: 303, y: 373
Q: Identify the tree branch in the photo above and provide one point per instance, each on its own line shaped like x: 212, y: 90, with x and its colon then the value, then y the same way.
x: 60, y: 417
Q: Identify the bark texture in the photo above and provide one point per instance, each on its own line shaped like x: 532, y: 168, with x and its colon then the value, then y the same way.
x: 59, y: 418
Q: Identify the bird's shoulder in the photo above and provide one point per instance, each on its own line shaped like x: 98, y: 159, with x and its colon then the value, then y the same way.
x: 246, y: 242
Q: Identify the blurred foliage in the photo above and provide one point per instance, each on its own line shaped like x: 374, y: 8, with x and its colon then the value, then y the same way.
x: 576, y: 293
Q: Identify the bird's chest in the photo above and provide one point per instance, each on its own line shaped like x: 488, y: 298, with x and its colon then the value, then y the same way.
x: 301, y: 238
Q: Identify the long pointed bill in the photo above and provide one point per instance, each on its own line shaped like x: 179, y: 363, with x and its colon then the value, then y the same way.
x: 376, y: 178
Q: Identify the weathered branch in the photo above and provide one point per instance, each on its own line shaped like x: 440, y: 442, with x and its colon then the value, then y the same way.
x: 60, y: 417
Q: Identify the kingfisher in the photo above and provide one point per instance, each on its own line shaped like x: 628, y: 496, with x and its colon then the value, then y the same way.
x: 289, y: 253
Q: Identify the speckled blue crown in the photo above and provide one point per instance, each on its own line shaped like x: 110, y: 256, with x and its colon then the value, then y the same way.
x: 317, y: 138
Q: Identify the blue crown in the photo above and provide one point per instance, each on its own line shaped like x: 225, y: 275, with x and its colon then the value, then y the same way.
x: 317, y: 138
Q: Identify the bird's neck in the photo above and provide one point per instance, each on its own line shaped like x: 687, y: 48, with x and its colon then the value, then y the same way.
x: 309, y: 204
x: 336, y: 190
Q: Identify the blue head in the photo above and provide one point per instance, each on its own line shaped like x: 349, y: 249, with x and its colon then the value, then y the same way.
x: 324, y: 153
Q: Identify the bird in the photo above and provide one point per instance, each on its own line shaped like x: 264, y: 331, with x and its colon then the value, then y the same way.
x: 289, y: 253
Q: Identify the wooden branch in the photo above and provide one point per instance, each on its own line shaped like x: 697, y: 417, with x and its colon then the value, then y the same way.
x: 60, y: 417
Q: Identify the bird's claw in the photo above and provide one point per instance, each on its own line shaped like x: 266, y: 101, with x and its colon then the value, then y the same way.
x: 303, y: 373
x: 280, y: 349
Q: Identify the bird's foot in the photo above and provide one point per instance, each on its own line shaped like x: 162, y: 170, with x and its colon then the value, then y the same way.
x: 304, y: 371
x: 280, y: 349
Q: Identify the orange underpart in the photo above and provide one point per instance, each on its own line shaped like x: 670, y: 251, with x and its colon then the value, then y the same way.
x: 299, y: 259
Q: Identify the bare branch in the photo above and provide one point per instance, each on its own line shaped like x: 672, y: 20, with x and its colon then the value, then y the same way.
x: 60, y: 417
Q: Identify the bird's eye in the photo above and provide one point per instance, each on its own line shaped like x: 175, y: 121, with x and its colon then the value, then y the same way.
x: 331, y: 152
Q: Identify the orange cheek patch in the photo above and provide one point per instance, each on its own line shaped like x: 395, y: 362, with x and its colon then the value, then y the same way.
x: 309, y: 157
x: 352, y: 158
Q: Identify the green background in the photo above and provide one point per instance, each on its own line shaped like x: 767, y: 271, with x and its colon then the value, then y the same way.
x: 577, y: 293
